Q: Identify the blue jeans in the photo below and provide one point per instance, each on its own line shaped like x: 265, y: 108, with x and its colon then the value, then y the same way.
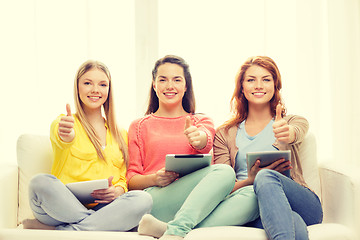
x: 53, y: 204
x: 286, y: 207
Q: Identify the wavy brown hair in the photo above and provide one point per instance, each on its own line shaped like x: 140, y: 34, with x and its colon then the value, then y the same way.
x: 188, y: 101
x: 108, y: 107
x: 239, y: 104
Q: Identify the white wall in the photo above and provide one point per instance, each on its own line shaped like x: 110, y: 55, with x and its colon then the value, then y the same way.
x: 314, y: 42
x: 42, y: 44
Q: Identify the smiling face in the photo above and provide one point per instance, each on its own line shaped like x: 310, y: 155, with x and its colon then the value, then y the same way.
x: 170, y: 85
x: 93, y: 89
x: 258, y: 86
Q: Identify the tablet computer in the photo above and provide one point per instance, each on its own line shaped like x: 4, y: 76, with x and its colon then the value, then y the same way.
x: 186, y: 163
x: 267, y: 157
x: 83, y: 190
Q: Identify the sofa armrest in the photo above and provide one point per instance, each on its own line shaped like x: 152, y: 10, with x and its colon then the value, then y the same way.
x: 340, y: 189
x: 9, y: 196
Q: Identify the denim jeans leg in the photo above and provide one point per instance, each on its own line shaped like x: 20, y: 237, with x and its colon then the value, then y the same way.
x: 122, y: 214
x: 52, y: 203
x: 286, y: 207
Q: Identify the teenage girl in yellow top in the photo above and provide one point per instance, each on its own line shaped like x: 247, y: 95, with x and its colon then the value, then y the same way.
x: 87, y: 146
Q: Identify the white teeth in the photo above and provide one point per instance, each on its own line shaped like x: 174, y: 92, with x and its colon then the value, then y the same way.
x: 170, y: 94
x: 258, y: 94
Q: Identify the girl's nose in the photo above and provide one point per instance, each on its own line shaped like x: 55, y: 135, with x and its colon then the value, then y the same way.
x: 95, y: 89
x: 259, y: 84
x: 170, y: 84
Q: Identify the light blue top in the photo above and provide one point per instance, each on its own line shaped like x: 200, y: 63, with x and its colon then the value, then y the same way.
x: 263, y: 141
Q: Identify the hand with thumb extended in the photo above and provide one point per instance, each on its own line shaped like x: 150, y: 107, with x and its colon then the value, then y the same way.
x: 187, y: 122
x: 66, y: 126
x: 279, y: 109
x: 282, y: 130
x: 68, y: 110
x: 196, y: 137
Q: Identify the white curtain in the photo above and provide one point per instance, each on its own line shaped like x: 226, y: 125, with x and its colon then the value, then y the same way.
x: 314, y: 42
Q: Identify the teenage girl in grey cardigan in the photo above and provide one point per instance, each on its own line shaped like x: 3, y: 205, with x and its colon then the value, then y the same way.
x: 287, y: 206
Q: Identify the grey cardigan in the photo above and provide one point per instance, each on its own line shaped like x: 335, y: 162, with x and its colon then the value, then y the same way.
x: 225, y: 148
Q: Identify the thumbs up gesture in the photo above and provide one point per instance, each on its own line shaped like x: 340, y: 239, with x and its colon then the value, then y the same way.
x: 66, y: 126
x: 284, y: 132
x: 196, y: 137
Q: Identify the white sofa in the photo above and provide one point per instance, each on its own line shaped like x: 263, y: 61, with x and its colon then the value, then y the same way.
x: 338, y: 188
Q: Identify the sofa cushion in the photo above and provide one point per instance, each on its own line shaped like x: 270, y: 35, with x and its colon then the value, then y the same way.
x: 34, y: 155
x: 21, y: 234
x: 328, y: 231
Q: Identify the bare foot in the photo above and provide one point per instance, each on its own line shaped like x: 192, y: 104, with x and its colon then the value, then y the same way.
x: 35, y: 224
x: 151, y: 226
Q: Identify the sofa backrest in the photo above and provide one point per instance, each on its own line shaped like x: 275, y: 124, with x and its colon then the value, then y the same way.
x: 34, y: 155
x: 309, y: 163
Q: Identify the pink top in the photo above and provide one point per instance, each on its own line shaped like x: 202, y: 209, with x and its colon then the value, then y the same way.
x: 152, y: 137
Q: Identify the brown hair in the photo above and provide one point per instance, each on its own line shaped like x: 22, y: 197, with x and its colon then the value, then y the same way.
x: 239, y: 104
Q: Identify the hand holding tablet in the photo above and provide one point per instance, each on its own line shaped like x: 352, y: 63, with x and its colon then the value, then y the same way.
x: 83, y: 190
x: 268, y: 157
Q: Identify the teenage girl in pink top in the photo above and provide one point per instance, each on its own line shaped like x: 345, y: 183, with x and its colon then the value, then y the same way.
x: 199, y: 199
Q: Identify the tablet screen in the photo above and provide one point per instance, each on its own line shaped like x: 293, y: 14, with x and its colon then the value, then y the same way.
x: 186, y: 163
x: 268, y: 157
x: 83, y: 190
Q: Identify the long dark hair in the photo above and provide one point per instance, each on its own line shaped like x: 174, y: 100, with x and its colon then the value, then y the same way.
x: 188, y: 101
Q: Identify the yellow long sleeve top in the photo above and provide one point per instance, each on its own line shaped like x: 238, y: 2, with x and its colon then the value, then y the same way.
x: 78, y: 161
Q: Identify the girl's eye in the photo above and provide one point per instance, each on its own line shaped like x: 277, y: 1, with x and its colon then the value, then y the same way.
x: 104, y: 85
x: 87, y: 83
x: 267, y: 80
x: 250, y: 80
